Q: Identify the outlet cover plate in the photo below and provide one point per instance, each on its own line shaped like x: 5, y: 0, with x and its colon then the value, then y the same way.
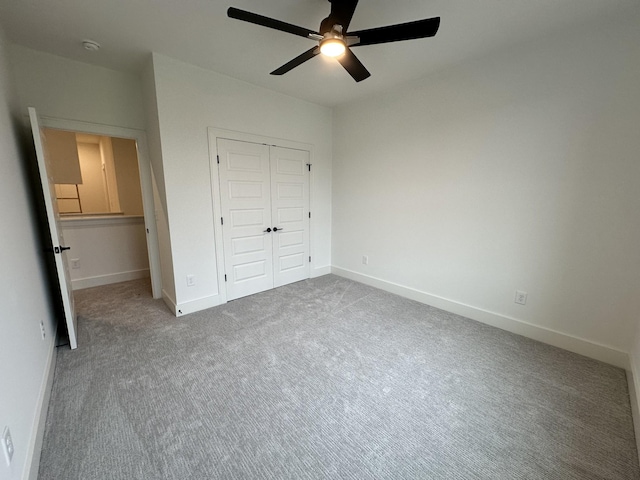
x: 521, y: 297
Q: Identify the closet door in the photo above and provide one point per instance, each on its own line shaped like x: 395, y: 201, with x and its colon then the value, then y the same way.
x: 290, y: 214
x: 245, y: 192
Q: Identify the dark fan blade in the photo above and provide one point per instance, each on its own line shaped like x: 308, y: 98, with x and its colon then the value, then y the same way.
x: 352, y: 65
x: 268, y: 22
x: 396, y: 33
x: 299, y: 60
x: 342, y: 12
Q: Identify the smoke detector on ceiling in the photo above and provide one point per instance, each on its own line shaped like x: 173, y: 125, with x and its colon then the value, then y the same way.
x: 91, y: 45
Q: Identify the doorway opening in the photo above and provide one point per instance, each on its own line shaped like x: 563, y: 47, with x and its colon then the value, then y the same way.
x: 94, y: 174
x: 99, y: 199
x: 104, y: 195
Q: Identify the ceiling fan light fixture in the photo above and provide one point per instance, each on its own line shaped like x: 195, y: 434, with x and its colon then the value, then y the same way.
x: 332, y: 47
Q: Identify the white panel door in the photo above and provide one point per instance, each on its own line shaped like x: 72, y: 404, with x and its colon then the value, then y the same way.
x: 290, y: 213
x: 245, y: 192
x: 55, y: 229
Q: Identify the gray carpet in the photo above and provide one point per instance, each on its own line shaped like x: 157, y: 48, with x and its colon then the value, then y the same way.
x: 324, y: 379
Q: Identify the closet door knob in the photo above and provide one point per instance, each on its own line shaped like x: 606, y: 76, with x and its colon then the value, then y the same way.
x: 268, y: 230
x: 275, y: 229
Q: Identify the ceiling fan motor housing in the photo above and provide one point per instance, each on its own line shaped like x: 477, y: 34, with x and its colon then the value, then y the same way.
x: 330, y: 24
x: 334, y: 34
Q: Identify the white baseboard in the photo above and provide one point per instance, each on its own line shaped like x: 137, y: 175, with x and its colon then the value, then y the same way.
x: 633, y: 380
x: 192, y: 306
x: 99, y: 280
x: 214, y: 300
x: 574, y: 344
x: 40, y: 418
x: 180, y: 309
x: 320, y: 271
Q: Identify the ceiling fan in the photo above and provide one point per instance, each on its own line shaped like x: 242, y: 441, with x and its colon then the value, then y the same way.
x: 334, y: 38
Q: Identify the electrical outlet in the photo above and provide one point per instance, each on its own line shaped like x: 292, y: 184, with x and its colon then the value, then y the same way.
x: 365, y: 259
x: 191, y: 280
x: 75, y: 263
x: 521, y: 297
x: 7, y: 445
x: 43, y: 332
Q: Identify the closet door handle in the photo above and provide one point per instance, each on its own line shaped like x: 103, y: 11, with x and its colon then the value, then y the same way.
x: 275, y: 229
x: 268, y: 230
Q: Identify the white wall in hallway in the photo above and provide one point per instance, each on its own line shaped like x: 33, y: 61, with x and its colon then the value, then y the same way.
x: 519, y: 170
x: 189, y: 100
x: 108, y: 249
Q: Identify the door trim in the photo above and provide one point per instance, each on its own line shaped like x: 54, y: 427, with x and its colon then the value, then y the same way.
x: 144, y: 166
x: 214, y: 133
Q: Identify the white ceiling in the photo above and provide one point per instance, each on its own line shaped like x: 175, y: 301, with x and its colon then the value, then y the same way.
x: 198, y: 32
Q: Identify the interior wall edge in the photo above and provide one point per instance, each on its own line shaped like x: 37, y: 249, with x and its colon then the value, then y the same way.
x: 169, y: 301
x: 198, y: 304
x: 40, y: 417
x: 633, y: 379
x: 581, y: 346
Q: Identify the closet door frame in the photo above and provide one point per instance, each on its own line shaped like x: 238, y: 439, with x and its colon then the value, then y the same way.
x: 215, y: 133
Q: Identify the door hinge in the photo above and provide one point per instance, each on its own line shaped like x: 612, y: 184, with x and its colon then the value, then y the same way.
x: 225, y: 277
x: 309, y: 166
x: 218, y: 157
x: 221, y: 221
x: 309, y: 258
x: 309, y: 214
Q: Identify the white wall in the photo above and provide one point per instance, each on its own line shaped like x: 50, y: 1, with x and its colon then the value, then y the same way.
x: 25, y: 358
x: 108, y: 249
x: 189, y: 100
x: 519, y: 170
x: 63, y: 88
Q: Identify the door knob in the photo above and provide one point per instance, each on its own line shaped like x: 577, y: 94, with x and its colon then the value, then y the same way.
x: 268, y: 230
x: 275, y: 229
